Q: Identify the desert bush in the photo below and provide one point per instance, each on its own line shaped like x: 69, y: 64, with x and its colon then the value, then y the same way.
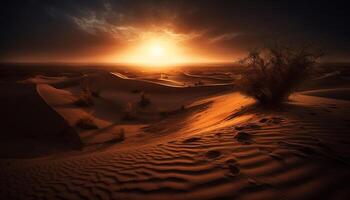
x: 144, y: 100
x: 84, y: 100
x: 273, y: 73
x: 86, y: 123
x: 85, y: 97
x: 128, y: 114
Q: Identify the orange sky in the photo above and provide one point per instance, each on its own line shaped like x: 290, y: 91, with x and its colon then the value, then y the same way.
x: 116, y: 31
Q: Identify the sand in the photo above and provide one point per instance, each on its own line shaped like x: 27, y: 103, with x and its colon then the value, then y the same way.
x: 211, y: 143
x: 30, y: 127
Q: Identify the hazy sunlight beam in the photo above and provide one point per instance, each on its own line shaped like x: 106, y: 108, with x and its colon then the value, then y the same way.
x: 155, y: 50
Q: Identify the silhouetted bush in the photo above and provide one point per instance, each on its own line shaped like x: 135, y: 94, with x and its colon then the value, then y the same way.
x: 274, y: 72
x: 84, y: 100
x: 144, y: 100
x: 85, y: 97
x: 128, y: 114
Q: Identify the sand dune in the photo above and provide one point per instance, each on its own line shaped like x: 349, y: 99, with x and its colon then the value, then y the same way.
x: 30, y: 127
x: 117, y: 93
x: 336, y: 93
x: 219, y: 146
x: 330, y: 80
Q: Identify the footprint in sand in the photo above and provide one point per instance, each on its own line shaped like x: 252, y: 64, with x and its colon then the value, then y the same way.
x: 192, y: 139
x: 247, y: 126
x: 213, y: 154
x: 231, y: 163
x: 276, y: 156
x: 219, y: 134
x: 264, y: 120
x: 276, y: 120
x: 265, y: 150
x: 254, y: 186
x: 243, y: 137
x: 273, y: 120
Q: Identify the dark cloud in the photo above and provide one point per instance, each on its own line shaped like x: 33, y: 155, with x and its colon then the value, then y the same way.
x: 69, y: 29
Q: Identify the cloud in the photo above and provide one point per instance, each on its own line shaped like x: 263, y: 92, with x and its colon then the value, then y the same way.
x: 90, y: 24
x: 107, y: 4
x: 95, y: 24
x: 224, y: 37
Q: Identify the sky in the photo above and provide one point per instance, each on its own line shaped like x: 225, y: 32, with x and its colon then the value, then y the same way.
x: 205, y: 30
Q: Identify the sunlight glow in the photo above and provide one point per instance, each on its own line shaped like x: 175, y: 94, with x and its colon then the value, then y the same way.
x: 155, y: 50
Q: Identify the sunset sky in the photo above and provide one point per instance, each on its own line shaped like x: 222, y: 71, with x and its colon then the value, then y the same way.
x: 188, y: 31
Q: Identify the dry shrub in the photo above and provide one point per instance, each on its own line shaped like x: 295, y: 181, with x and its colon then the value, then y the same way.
x: 86, y: 123
x: 128, y: 114
x: 273, y: 72
x: 144, y: 100
x: 84, y: 100
x: 85, y: 97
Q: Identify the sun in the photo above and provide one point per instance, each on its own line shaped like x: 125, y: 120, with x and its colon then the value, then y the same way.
x: 156, y: 51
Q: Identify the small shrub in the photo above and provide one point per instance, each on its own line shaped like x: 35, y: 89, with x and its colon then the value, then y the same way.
x: 86, y: 123
x: 128, y: 113
x: 144, y: 100
x: 84, y: 100
x: 85, y: 97
x: 274, y: 72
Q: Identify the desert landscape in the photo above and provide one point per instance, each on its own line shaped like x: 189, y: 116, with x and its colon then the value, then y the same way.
x: 174, y: 100
x: 148, y: 135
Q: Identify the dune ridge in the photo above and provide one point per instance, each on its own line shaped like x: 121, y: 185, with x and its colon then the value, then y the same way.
x: 30, y: 127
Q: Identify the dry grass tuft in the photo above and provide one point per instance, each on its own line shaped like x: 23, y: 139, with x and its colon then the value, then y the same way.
x: 128, y: 114
x: 84, y: 100
x: 144, y: 100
